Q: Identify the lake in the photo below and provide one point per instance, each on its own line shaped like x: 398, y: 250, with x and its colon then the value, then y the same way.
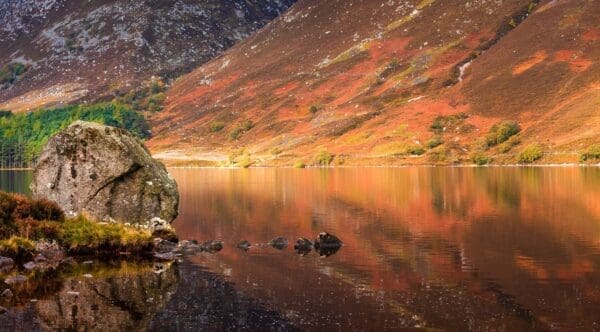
x: 498, y: 248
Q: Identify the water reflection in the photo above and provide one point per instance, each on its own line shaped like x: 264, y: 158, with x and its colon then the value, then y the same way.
x: 109, y: 296
x: 451, y: 248
x: 454, y: 248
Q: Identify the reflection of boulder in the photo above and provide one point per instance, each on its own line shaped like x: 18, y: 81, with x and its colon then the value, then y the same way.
x: 122, y: 301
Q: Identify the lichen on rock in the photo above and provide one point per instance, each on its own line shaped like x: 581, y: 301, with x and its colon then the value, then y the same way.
x: 106, y: 174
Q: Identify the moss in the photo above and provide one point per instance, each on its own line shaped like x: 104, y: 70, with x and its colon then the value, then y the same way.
x: 531, y: 153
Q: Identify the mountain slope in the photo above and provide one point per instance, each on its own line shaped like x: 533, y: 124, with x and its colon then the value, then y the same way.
x: 371, y: 82
x: 67, y: 50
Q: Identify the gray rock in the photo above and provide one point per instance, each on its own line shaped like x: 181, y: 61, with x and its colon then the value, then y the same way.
x: 6, y: 264
x: 327, y: 241
x: 17, y: 279
x: 279, y: 243
x: 212, y: 246
x: 244, y: 245
x: 29, y: 265
x: 168, y: 256
x: 303, y: 245
x: 107, y: 173
x: 7, y: 294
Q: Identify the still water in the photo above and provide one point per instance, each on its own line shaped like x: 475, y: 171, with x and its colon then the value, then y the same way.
x: 450, y: 248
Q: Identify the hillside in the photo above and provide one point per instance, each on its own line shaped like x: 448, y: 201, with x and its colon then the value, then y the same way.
x: 62, y: 51
x: 395, y: 82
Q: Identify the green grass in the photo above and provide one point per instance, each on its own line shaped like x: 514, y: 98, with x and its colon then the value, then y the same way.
x: 16, y: 246
x: 81, y: 234
x: 531, y: 153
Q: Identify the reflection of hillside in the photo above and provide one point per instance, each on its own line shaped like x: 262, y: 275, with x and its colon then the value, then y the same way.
x: 493, y: 240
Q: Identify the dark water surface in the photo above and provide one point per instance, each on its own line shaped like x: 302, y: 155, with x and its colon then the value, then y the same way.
x: 451, y: 248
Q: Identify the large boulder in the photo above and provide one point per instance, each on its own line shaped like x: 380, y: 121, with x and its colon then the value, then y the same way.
x: 107, y: 174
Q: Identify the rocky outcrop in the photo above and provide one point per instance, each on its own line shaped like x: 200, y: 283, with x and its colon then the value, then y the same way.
x: 107, y: 174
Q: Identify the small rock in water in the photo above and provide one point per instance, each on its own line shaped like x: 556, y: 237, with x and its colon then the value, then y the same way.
x: 88, y: 276
x: 327, y: 244
x: 6, y: 294
x: 6, y: 264
x: 164, y: 246
x: 168, y: 256
x: 327, y: 241
x: 29, y: 265
x: 213, y: 246
x: 15, y: 279
x: 279, y: 243
x: 69, y: 261
x: 244, y: 245
x: 303, y: 245
x: 73, y: 293
x: 88, y: 263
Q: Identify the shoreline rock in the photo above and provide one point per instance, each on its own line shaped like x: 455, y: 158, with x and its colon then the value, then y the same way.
x: 107, y: 174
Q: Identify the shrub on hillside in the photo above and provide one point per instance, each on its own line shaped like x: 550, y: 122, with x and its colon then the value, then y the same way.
x: 313, y: 109
x: 531, y: 153
x: 509, y: 144
x: 479, y: 158
x: 299, y: 164
x: 592, y: 153
x: 217, y: 126
x: 243, y: 127
x: 434, y: 142
x: 501, y: 132
x: 415, y: 150
x: 323, y: 158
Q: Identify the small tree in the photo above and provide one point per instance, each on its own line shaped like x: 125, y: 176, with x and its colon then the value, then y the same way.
x: 531, y: 153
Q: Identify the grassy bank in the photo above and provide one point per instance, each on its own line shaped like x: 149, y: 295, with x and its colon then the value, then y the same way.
x: 25, y: 222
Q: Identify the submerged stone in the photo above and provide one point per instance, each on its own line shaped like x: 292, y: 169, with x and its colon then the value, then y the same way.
x: 244, y: 245
x: 107, y: 174
x: 279, y: 243
x: 212, y: 246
